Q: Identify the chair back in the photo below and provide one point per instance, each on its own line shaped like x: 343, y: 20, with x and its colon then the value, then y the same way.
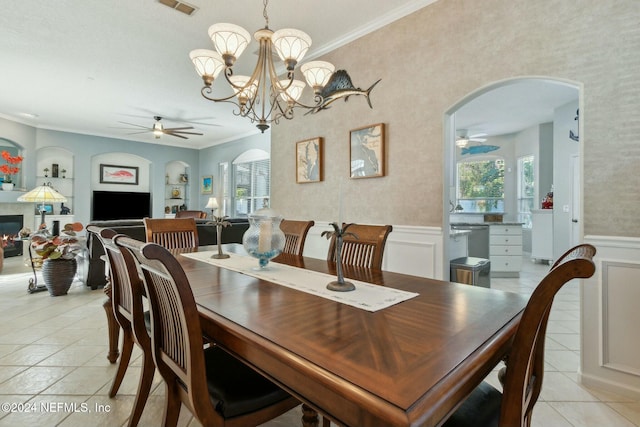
x: 191, y: 214
x: 176, y: 334
x: 295, y: 234
x: 365, y: 249
x: 126, y: 286
x: 525, y: 364
x: 172, y: 233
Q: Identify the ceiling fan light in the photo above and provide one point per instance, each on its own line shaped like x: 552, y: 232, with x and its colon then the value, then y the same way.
x: 291, y: 45
x: 317, y: 73
x: 208, y: 64
x: 230, y: 41
x: 462, y: 142
x: 158, y: 130
x: 293, y: 92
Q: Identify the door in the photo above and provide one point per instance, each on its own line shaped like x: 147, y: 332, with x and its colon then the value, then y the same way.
x: 576, y: 214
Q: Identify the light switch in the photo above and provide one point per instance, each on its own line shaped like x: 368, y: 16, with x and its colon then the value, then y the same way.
x: 565, y: 208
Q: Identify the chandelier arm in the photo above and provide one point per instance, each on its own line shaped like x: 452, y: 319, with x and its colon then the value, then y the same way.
x: 207, y: 89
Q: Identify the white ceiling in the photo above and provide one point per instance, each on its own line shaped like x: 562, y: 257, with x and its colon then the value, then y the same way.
x: 83, y: 66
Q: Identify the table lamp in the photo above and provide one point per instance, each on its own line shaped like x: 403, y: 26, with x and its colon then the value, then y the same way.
x: 213, y: 205
x: 42, y: 194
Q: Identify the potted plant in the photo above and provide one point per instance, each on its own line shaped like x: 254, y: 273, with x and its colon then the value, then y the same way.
x: 58, y: 254
x: 9, y: 169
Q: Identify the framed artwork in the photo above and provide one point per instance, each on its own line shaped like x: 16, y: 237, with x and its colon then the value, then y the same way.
x: 206, y: 186
x: 114, y: 174
x: 309, y: 159
x: 366, y: 153
x: 48, y: 209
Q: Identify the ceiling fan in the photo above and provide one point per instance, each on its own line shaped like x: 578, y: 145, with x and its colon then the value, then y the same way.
x: 464, y: 138
x: 158, y: 129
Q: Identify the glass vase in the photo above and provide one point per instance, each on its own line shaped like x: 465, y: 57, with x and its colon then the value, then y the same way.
x: 264, y: 239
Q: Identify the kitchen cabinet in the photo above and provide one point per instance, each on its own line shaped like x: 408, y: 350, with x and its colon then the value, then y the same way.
x: 505, y: 249
x: 542, y: 234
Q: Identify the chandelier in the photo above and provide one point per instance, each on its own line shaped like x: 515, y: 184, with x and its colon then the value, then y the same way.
x: 264, y: 97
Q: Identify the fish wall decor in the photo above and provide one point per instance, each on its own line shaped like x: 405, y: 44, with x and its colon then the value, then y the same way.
x: 340, y: 86
x: 479, y: 149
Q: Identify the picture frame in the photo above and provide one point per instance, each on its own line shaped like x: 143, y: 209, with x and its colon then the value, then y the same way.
x: 48, y: 209
x: 309, y: 160
x: 206, y: 185
x: 116, y: 174
x: 367, y: 151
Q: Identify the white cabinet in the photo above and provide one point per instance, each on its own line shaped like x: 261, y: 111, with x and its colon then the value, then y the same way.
x: 542, y: 234
x: 505, y: 250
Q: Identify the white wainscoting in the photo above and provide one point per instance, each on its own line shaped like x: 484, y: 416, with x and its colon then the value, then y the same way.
x: 417, y: 251
x: 610, y: 350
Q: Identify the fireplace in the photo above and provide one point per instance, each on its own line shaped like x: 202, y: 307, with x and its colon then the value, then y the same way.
x: 10, y: 225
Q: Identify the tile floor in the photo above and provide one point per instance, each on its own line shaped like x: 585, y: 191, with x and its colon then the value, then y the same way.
x: 53, y: 364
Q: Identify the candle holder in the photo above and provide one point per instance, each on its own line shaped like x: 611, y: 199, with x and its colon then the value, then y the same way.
x: 264, y: 239
x: 219, y: 222
x: 339, y: 285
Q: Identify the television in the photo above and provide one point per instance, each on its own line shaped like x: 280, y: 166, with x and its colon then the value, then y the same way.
x: 109, y: 205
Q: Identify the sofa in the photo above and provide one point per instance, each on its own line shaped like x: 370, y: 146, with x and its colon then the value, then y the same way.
x: 135, y: 229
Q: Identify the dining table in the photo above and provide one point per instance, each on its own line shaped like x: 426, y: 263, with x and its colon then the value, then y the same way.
x: 410, y: 363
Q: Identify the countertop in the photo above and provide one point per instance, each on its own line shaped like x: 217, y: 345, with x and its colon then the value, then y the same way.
x: 486, y: 223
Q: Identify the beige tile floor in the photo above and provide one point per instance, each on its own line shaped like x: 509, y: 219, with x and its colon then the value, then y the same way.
x: 53, y: 365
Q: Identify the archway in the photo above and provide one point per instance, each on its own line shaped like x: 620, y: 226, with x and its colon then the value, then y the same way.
x: 506, y: 108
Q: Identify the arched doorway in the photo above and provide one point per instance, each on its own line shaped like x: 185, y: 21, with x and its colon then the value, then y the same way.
x: 501, y: 113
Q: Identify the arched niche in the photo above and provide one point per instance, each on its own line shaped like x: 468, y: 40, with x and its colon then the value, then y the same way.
x: 14, y: 149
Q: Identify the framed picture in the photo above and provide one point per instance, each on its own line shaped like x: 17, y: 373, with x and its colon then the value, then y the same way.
x: 309, y: 161
x: 206, y: 186
x: 48, y: 209
x: 114, y: 174
x: 366, y: 154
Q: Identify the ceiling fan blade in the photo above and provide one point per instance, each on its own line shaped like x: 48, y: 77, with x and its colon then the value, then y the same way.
x: 137, y: 133
x: 186, y: 127
x: 133, y: 124
x: 184, y: 133
x: 176, y: 135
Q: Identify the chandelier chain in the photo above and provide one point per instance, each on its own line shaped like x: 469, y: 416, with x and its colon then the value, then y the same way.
x: 264, y: 13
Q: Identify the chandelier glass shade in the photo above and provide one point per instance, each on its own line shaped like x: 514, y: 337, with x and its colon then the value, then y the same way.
x: 264, y: 96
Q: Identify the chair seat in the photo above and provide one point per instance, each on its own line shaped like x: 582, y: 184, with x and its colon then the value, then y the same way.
x: 480, y: 409
x: 236, y: 389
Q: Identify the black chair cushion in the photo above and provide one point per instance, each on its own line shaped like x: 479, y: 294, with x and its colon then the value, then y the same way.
x: 235, y: 388
x: 481, y: 409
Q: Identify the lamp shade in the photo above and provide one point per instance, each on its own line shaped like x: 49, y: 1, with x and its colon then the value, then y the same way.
x: 291, y: 44
x: 207, y: 62
x: 244, y: 91
x: 230, y: 40
x: 42, y: 194
x: 317, y: 73
x: 212, y: 203
x: 293, y: 92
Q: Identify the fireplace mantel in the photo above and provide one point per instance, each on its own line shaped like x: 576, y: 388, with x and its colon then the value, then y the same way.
x: 10, y: 196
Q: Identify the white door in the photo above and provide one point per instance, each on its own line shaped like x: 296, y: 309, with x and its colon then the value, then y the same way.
x: 576, y: 214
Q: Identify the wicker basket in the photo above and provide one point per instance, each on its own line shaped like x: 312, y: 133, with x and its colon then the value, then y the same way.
x: 58, y: 275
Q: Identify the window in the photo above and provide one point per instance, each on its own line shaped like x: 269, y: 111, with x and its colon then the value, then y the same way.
x: 480, y: 185
x: 252, y: 182
x: 526, y: 189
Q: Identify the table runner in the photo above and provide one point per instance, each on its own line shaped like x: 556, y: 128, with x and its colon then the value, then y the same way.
x: 366, y: 296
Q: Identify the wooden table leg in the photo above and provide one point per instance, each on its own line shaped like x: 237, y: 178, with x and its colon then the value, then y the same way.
x: 112, y: 325
x: 309, y: 417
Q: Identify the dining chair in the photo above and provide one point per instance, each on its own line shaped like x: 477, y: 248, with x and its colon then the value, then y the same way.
x: 362, y: 245
x: 238, y: 395
x: 128, y: 308
x: 486, y: 406
x: 191, y: 214
x: 172, y: 233
x: 295, y: 233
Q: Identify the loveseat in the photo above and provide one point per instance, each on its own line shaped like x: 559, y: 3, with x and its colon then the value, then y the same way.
x: 135, y: 230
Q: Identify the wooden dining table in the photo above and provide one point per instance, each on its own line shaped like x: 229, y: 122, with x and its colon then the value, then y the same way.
x: 410, y: 364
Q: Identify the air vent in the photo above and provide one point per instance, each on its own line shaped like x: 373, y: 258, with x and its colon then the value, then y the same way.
x: 185, y: 8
